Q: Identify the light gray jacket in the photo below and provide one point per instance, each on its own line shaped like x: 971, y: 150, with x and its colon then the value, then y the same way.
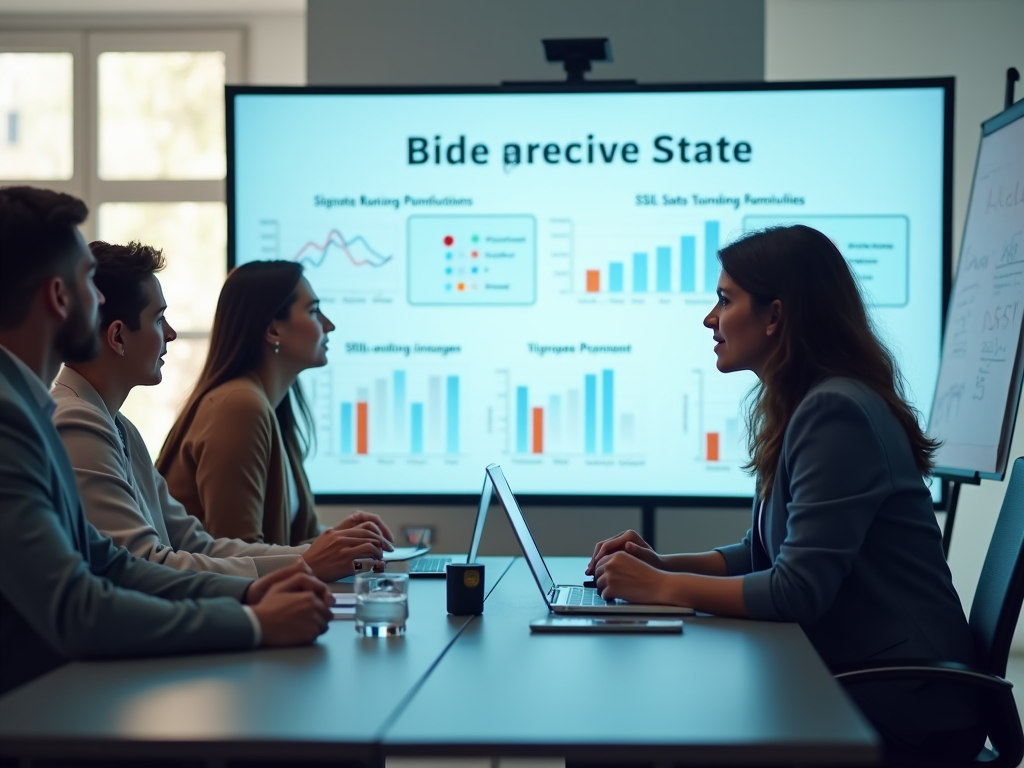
x: 66, y: 592
x: 126, y: 498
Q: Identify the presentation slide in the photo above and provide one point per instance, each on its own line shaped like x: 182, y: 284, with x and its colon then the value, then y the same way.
x: 522, y: 278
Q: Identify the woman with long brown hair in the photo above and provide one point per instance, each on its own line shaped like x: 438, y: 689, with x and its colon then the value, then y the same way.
x: 843, y: 537
x: 234, y: 455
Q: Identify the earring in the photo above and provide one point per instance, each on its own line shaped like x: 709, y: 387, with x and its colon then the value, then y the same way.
x: 122, y: 351
x: 277, y: 347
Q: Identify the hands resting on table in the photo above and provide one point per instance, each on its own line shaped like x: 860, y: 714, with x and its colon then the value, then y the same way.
x: 293, y: 604
x: 359, y: 536
x: 626, y: 567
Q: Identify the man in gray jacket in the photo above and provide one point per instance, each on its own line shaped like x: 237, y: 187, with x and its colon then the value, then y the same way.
x: 122, y: 493
x: 66, y: 592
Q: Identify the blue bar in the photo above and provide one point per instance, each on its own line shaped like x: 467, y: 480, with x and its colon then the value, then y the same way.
x: 453, y: 414
x: 521, y: 409
x: 688, y: 264
x: 417, y: 428
x: 607, y: 411
x: 590, y: 413
x: 346, y: 427
x: 639, y: 272
x: 615, y: 277
x: 664, y: 267
x: 711, y: 265
x: 399, y: 396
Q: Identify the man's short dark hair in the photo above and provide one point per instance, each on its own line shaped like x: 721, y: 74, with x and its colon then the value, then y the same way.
x: 120, y: 273
x: 37, y: 241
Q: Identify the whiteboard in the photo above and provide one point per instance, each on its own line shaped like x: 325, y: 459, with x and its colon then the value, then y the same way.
x: 979, y: 379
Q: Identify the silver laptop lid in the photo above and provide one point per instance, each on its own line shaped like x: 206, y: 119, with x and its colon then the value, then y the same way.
x: 521, y: 530
x: 481, y: 517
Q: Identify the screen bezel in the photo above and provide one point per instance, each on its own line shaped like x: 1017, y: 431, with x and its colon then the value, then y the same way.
x: 946, y: 84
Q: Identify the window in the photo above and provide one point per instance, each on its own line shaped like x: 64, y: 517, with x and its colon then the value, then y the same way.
x: 133, y: 123
x: 36, y: 103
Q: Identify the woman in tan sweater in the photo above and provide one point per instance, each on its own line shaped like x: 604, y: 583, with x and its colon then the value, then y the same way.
x: 234, y: 455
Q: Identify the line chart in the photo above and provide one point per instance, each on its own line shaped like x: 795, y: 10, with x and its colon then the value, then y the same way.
x: 358, y: 251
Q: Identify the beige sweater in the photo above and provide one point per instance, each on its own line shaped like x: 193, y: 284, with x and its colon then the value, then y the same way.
x: 126, y: 498
x: 231, y: 469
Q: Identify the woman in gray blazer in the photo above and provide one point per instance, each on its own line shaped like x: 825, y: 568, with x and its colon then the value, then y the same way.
x: 843, y: 536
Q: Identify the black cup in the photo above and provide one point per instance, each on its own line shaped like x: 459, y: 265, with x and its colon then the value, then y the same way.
x: 465, y: 582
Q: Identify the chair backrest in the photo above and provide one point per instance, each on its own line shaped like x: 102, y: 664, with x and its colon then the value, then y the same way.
x: 997, y: 599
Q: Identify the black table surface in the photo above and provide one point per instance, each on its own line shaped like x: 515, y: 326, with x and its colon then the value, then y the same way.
x: 723, y: 691
x: 331, y: 699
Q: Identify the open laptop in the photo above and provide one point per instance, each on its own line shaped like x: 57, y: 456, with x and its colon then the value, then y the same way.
x: 434, y: 565
x: 561, y: 598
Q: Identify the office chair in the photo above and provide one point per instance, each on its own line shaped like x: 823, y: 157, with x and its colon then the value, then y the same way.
x: 997, y: 602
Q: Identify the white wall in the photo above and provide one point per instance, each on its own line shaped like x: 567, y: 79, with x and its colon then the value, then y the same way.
x: 973, y: 40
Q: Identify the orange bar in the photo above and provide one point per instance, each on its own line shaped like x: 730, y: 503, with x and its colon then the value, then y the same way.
x: 593, y: 281
x: 538, y: 430
x: 712, y: 446
x: 361, y: 428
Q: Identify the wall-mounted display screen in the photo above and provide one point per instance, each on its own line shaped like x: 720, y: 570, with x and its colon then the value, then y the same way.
x: 521, y: 277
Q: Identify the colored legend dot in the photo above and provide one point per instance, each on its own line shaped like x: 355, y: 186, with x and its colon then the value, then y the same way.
x: 448, y: 271
x: 476, y: 238
x: 462, y: 286
x: 475, y: 254
x: 449, y: 240
x: 448, y: 255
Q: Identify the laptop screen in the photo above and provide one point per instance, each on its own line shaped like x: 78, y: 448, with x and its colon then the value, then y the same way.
x: 521, y: 529
x: 481, y: 517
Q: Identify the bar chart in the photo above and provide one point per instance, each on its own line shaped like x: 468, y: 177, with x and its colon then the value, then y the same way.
x: 713, y: 417
x: 389, y: 416
x: 670, y: 266
x: 570, y: 416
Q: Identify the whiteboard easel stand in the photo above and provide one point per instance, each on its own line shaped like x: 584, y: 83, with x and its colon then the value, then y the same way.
x: 1012, y: 76
x: 956, y: 476
x: 953, y: 490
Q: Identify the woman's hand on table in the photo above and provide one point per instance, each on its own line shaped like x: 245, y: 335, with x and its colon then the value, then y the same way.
x: 629, y: 542
x: 367, y: 521
x: 626, y: 577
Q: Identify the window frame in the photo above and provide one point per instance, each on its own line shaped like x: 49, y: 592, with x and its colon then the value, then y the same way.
x: 85, y: 48
x: 75, y: 44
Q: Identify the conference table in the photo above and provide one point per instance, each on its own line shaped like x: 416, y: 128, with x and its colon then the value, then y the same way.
x: 725, y: 692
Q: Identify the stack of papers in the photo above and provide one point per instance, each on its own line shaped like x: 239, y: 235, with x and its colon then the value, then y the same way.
x: 344, y: 606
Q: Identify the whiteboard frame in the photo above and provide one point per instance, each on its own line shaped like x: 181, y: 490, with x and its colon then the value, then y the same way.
x: 988, y: 127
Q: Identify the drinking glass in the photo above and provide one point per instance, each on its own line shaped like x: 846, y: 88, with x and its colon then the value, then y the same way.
x: 382, y: 604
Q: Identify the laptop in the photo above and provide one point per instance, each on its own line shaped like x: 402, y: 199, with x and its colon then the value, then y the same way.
x: 562, y: 598
x: 434, y: 565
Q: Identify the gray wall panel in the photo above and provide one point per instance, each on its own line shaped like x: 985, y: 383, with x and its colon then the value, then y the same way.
x: 446, y: 42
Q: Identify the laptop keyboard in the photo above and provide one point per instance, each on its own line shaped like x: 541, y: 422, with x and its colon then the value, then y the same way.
x: 585, y: 596
x: 425, y: 564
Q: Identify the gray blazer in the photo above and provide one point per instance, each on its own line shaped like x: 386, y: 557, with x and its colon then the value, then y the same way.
x: 66, y: 592
x: 127, y: 499
x: 851, y: 549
